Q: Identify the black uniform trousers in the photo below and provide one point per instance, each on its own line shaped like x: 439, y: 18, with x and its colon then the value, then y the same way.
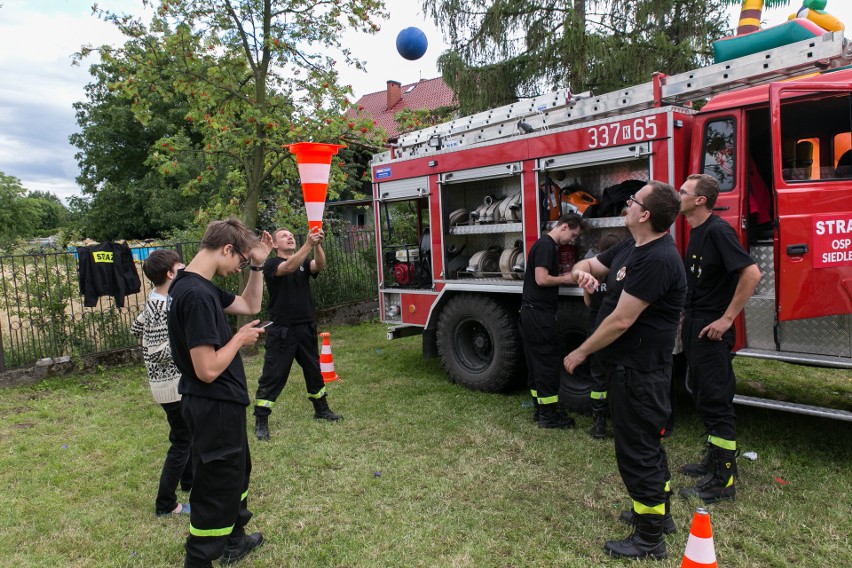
x: 711, y: 375
x: 285, y: 342
x: 178, y: 466
x: 599, y: 383
x: 539, y: 333
x: 221, y: 466
x: 640, y: 405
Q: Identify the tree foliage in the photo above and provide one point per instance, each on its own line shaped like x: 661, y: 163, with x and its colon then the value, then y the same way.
x: 26, y: 214
x: 249, y: 77
x: 505, y: 49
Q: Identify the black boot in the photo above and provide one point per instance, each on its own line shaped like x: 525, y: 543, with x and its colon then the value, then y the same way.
x: 234, y: 552
x: 718, y: 484
x: 322, y: 411
x: 703, y: 467
x: 536, y: 410
x: 646, y: 540
x: 261, y: 427
x: 669, y: 526
x: 550, y: 417
x: 598, y: 430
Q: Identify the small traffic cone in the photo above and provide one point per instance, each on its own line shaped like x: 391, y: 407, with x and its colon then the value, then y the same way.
x: 326, y: 360
x: 700, y: 552
x: 314, y: 163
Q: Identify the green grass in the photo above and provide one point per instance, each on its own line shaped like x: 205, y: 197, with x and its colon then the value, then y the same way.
x: 420, y: 473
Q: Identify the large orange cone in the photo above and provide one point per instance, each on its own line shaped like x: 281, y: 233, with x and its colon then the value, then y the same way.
x: 326, y: 360
x: 314, y: 162
x: 700, y: 552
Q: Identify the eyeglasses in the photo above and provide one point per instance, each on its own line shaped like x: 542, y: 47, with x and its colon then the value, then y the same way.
x: 684, y: 192
x: 243, y: 260
x: 637, y: 202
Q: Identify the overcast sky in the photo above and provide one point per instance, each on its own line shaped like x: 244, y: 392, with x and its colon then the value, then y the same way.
x: 39, y: 85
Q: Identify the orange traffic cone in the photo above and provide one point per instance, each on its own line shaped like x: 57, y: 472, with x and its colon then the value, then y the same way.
x: 314, y: 162
x: 326, y: 361
x: 700, y: 552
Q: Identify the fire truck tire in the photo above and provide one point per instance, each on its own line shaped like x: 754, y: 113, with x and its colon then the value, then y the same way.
x: 478, y: 343
x: 573, y: 389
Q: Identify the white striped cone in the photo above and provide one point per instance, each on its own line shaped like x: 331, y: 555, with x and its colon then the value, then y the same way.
x: 326, y: 360
x: 700, y: 552
x: 314, y: 163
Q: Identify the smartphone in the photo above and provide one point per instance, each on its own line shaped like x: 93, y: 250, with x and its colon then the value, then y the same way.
x: 264, y: 324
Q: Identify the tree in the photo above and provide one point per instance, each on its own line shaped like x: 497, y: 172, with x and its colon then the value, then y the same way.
x: 505, y: 49
x: 256, y: 75
x: 17, y: 214
x: 49, y: 214
x: 123, y: 195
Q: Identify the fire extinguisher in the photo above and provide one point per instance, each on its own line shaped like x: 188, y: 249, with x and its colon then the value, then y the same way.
x: 567, y: 256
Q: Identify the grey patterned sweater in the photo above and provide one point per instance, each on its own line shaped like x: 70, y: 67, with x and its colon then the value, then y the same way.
x: 151, y: 325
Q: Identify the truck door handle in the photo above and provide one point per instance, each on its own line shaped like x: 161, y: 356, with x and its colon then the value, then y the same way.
x: 796, y: 250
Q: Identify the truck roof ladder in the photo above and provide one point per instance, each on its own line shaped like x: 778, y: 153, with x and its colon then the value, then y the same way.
x: 561, y: 108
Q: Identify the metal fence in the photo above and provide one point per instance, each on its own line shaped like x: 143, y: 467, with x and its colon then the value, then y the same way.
x: 42, y: 313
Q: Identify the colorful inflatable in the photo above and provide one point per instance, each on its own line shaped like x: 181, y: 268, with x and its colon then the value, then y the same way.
x: 814, y: 10
x: 791, y: 31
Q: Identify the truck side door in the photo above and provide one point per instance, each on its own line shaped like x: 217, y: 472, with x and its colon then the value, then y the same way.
x: 813, y: 240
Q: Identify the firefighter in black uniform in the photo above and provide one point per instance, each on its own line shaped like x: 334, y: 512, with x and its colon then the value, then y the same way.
x: 538, y: 326
x: 293, y: 333
x: 721, y: 277
x: 213, y: 388
x: 598, y: 393
x: 637, y: 325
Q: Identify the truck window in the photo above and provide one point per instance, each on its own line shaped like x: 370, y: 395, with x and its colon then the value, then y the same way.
x: 815, y: 139
x: 719, y: 152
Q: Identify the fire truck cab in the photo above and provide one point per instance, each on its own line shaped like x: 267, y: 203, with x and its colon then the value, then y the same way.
x: 459, y: 205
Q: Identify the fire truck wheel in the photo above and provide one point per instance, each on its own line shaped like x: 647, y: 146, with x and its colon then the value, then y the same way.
x: 573, y: 389
x: 478, y: 343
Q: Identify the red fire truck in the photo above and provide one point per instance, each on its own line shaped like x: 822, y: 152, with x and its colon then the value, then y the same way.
x: 458, y: 205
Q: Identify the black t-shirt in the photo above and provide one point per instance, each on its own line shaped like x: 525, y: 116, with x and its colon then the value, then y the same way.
x: 197, y: 317
x: 714, y: 258
x: 543, y: 253
x: 595, y: 301
x: 652, y: 273
x: 289, y: 295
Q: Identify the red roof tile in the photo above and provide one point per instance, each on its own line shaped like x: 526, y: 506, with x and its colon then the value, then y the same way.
x: 424, y: 94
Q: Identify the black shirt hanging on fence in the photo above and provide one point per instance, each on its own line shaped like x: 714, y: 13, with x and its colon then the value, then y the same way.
x: 107, y: 269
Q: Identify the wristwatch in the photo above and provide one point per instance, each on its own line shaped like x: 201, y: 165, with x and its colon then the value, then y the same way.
x: 256, y: 268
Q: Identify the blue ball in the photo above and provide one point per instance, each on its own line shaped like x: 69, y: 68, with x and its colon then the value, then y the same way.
x: 411, y: 43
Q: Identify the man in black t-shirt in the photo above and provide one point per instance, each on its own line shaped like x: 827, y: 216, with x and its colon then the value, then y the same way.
x: 635, y: 336
x: 721, y: 277
x: 213, y: 388
x: 293, y: 333
x: 538, y: 327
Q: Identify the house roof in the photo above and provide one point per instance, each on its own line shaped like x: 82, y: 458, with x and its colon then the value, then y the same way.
x: 424, y: 94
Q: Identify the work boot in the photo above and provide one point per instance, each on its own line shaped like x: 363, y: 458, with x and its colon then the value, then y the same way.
x: 536, y: 410
x: 322, y: 411
x: 550, y: 417
x: 669, y: 526
x: 646, y: 540
x: 240, y: 549
x: 598, y: 430
x: 261, y: 427
x: 718, y: 484
x: 703, y: 467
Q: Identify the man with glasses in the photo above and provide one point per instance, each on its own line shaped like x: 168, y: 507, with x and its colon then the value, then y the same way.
x: 721, y: 277
x: 635, y: 335
x: 293, y: 333
x: 213, y: 388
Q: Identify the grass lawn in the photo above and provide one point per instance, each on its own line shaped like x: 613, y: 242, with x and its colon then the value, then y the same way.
x: 420, y: 473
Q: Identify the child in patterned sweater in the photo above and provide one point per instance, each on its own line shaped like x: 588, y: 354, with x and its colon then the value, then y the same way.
x: 161, y: 267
